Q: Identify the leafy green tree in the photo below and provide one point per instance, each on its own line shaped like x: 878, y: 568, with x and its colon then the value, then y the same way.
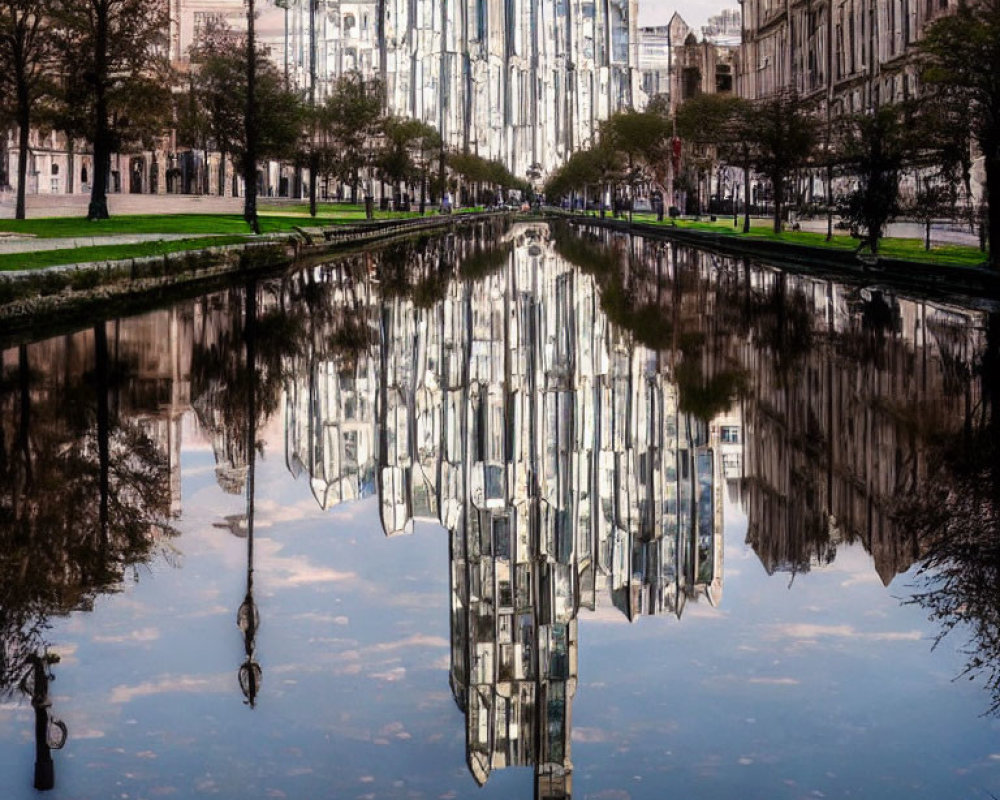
x: 643, y: 140
x: 396, y: 160
x: 781, y: 139
x: 931, y: 200
x: 481, y: 172
x: 962, y: 54
x: 351, y: 123
x: 578, y: 173
x: 427, y: 145
x: 26, y: 61
x: 874, y: 149
x: 116, y: 78
x: 709, y: 125
x: 216, y: 106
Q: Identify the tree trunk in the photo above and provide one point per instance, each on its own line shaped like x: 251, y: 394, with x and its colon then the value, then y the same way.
x: 98, y: 208
x: 746, y: 198
x: 829, y: 202
x: 313, y: 178
x: 992, y: 164
x: 70, y: 165
x: 103, y: 427
x: 24, y: 129
x: 250, y: 124
x: 779, y: 201
x: 313, y: 155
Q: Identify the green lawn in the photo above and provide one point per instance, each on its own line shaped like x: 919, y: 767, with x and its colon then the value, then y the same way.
x: 336, y: 212
x: 193, y: 224
x: 79, y: 255
x: 763, y: 229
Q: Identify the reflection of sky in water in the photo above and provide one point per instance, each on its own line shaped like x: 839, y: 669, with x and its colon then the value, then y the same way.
x: 824, y: 688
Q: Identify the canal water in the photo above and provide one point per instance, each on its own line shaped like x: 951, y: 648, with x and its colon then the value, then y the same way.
x: 547, y: 512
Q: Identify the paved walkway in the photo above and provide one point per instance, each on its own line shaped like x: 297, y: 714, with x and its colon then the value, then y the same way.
x: 75, y: 205
x: 941, y: 233
x: 34, y: 245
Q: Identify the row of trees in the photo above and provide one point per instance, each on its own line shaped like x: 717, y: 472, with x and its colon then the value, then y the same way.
x: 864, y: 154
x: 98, y: 71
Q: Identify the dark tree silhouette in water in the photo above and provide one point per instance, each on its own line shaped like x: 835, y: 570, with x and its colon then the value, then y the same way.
x: 956, y: 515
x: 84, y: 495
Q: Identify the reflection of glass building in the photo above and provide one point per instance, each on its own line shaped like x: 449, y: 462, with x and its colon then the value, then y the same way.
x: 554, y: 451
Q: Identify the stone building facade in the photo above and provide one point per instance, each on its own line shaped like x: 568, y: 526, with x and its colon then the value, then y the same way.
x: 58, y: 166
x: 848, y: 55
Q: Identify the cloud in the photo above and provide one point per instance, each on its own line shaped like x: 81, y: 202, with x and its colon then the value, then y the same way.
x: 586, y: 735
x: 331, y: 619
x: 86, y: 733
x: 168, y: 684
x: 775, y: 681
x: 390, y: 676
x: 416, y: 640
x: 811, y: 632
x: 141, y: 635
x: 291, y: 571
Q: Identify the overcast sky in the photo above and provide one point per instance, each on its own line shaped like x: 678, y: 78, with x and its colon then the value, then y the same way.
x: 651, y: 12
x: 694, y: 12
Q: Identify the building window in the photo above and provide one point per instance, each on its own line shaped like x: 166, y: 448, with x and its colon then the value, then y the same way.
x: 55, y: 169
x: 730, y: 434
x: 723, y: 79
x: 690, y: 82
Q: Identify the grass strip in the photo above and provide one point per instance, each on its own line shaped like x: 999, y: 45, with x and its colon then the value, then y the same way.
x: 899, y: 248
x: 193, y: 224
x: 80, y: 255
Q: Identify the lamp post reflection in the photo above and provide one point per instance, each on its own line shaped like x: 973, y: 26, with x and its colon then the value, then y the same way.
x: 50, y: 733
x: 248, y: 618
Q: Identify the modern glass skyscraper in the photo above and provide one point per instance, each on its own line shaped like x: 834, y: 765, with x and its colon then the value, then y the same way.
x: 522, y: 81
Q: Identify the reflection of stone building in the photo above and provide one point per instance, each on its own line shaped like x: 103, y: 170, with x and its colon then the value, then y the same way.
x: 59, y: 165
x: 830, y: 453
x: 522, y: 82
x: 847, y: 387
x: 553, y: 451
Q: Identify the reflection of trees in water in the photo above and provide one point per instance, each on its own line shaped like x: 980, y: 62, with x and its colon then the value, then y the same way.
x: 844, y: 389
x: 222, y: 380
x: 655, y: 292
x: 84, y: 491
x: 954, y: 513
x: 421, y: 269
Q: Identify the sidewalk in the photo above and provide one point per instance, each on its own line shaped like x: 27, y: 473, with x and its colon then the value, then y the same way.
x: 75, y: 205
x: 941, y: 233
x: 13, y: 244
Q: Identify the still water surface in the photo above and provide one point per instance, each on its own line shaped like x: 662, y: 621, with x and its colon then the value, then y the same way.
x: 554, y: 514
